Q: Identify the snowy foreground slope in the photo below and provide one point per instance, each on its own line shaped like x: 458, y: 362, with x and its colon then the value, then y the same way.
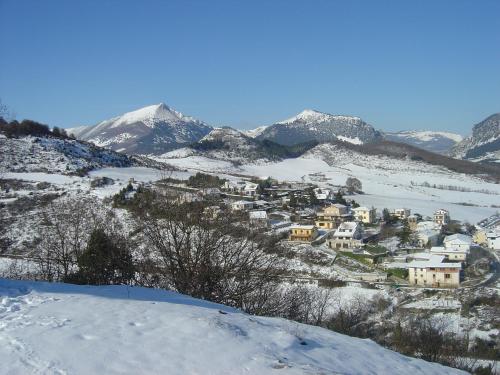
x: 66, y: 329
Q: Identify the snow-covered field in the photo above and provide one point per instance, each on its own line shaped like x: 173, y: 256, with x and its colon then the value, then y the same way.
x: 66, y: 329
x: 387, y: 182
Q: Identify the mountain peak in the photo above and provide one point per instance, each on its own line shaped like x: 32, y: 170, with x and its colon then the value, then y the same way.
x: 312, y: 115
x: 153, y: 114
x: 152, y: 129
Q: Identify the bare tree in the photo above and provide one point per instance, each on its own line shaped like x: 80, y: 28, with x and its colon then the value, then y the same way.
x: 67, y: 225
x: 206, y: 256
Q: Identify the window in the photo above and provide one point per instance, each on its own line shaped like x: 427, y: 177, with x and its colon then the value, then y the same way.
x: 447, y: 276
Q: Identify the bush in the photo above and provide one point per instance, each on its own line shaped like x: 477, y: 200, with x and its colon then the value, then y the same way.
x: 398, y: 272
x: 203, y: 180
x: 104, y: 261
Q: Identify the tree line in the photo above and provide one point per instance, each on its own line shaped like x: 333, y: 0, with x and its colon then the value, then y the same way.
x: 15, y: 129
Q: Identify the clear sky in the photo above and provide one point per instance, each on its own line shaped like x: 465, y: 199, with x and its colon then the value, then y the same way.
x: 399, y: 65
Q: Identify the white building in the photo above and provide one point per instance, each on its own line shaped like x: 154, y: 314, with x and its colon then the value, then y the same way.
x: 250, y: 189
x: 458, y: 241
x: 242, y: 205
x: 434, y: 272
x: 347, y: 236
x: 234, y: 186
x: 323, y: 194
x: 258, y: 218
x: 493, y: 239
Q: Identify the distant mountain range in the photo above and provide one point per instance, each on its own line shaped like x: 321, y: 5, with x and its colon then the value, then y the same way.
x: 158, y: 129
x: 439, y: 142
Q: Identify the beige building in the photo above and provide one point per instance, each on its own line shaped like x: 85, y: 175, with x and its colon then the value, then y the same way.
x: 434, y: 272
x: 304, y: 233
x: 480, y: 237
x: 326, y: 223
x: 332, y: 216
x: 365, y: 215
x: 442, y: 217
x: 347, y: 237
x: 335, y: 210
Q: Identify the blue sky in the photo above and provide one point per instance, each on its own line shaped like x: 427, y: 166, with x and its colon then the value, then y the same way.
x: 397, y: 64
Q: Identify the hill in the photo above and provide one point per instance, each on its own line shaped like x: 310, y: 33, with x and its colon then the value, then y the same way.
x: 62, y: 328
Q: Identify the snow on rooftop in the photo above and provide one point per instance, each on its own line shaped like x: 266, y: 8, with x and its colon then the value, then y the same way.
x: 458, y: 237
x: 447, y: 250
x: 361, y: 209
x: 258, y: 215
x: 302, y: 226
x: 434, y: 261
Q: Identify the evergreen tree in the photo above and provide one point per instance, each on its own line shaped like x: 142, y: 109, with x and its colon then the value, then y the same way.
x: 386, y: 215
x: 313, y: 200
x: 104, y: 261
x: 339, y: 198
x: 405, y: 234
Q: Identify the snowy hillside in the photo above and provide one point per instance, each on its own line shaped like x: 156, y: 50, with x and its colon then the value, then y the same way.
x: 150, y: 130
x: 55, y: 155
x: 387, y: 181
x: 434, y: 141
x: 236, y: 147
x: 255, y: 132
x: 483, y: 144
x: 312, y: 125
x: 67, y: 329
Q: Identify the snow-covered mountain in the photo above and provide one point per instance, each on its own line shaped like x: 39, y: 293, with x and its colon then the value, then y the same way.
x: 435, y: 141
x: 150, y: 130
x: 483, y: 144
x: 311, y: 125
x: 54, y: 328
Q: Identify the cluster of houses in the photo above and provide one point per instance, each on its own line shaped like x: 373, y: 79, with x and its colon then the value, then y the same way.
x: 348, y: 229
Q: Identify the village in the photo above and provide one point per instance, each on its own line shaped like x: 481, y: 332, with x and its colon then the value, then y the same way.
x: 397, y: 247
